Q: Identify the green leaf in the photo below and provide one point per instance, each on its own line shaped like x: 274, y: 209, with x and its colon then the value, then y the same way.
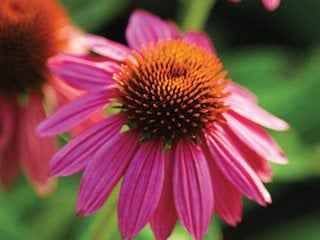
x: 92, y: 15
x: 53, y: 217
x: 11, y: 224
x: 303, y: 159
x: 193, y: 14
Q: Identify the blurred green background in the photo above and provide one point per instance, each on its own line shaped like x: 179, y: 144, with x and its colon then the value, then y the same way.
x: 274, y: 54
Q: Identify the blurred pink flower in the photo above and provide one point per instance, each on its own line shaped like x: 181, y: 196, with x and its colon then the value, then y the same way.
x: 270, y: 5
x: 30, y: 32
x: 192, y: 144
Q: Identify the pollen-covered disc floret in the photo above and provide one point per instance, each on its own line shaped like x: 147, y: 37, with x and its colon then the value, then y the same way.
x: 171, y: 90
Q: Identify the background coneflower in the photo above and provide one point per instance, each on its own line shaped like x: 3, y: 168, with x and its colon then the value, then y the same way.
x: 30, y: 32
x: 270, y: 5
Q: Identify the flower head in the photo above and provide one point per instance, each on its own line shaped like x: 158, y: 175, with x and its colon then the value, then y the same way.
x: 186, y: 141
x: 31, y: 31
x: 270, y: 5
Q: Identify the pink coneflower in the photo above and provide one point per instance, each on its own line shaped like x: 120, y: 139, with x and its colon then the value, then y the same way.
x: 30, y: 32
x: 270, y: 5
x: 186, y: 141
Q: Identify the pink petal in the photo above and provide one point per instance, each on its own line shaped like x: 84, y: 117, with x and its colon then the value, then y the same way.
x: 75, y: 156
x: 228, y: 202
x: 165, y: 217
x: 81, y: 73
x: 255, y: 138
x: 144, y: 27
x: 201, y: 39
x: 271, y: 5
x: 105, y: 170
x: 35, y: 152
x: 141, y: 188
x: 58, y: 93
x: 234, y: 167
x: 106, y: 47
x: 192, y: 189
x: 7, y: 122
x: 74, y: 112
x: 250, y: 110
x: 241, y: 91
x: 259, y: 164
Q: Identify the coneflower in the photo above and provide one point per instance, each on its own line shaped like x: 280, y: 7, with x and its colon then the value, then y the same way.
x: 31, y: 31
x: 186, y: 140
x: 270, y: 5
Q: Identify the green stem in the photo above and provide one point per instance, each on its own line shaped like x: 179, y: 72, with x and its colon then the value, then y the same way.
x: 193, y: 14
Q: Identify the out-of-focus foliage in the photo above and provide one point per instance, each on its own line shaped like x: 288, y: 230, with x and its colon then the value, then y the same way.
x: 277, y: 56
x: 91, y: 15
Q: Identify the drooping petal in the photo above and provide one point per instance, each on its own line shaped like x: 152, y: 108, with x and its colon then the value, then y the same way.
x: 255, y: 138
x: 35, y: 152
x: 234, y: 167
x: 228, y: 203
x: 165, y: 217
x: 106, y: 47
x: 141, y: 188
x: 7, y: 120
x: 259, y: 164
x: 9, y: 166
x: 144, y: 27
x: 252, y: 111
x: 81, y: 73
x: 105, y: 170
x: 192, y: 189
x: 201, y: 39
x: 271, y: 5
x: 74, y: 156
x: 74, y: 112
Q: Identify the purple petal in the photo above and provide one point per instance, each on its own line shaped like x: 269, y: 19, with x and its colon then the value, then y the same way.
x: 81, y: 73
x: 165, y: 217
x: 141, y: 188
x: 106, y: 47
x: 192, y: 190
x: 255, y: 138
x: 105, y: 170
x: 234, y: 167
x: 201, y: 39
x: 252, y: 111
x: 74, y: 156
x: 74, y: 112
x: 144, y: 27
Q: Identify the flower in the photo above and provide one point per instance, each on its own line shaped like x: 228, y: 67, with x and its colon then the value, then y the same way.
x: 186, y: 141
x: 30, y: 32
x: 270, y: 5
